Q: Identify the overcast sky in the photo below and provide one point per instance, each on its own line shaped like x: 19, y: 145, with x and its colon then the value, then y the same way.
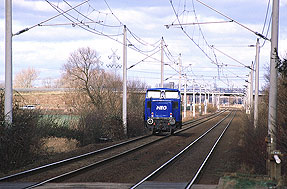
x: 47, y: 47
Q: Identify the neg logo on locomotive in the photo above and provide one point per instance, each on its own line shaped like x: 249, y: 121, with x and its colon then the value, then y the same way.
x: 161, y: 107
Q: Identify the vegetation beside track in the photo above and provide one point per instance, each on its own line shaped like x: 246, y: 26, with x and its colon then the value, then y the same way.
x: 245, y: 181
x: 22, y: 142
x: 253, y: 148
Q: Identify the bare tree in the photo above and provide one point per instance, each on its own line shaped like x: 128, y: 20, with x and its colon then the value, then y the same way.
x: 26, y: 78
x: 82, y: 72
x: 48, y: 83
x: 96, y: 97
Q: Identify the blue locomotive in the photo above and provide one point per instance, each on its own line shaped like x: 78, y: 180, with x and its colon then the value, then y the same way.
x: 163, y: 110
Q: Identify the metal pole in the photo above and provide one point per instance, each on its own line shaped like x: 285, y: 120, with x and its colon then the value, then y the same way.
x: 228, y: 101
x: 205, y: 92
x: 179, y: 64
x: 251, y: 87
x: 205, y: 100
x: 199, y: 107
x: 162, y: 65
x: 218, y: 102
x: 193, y: 100
x: 256, y: 84
x: 184, y: 108
x: 248, y: 94
x: 213, y: 99
x: 208, y: 95
x: 272, y: 114
x: 125, y: 81
x: 8, y: 63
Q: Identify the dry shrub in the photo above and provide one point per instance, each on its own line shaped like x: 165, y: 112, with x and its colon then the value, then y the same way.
x: 106, y: 123
x: 102, y: 125
x: 136, y: 98
x: 98, y: 98
x: 58, y: 145
x: 282, y: 120
x: 211, y: 108
x: 253, y: 148
x: 281, y: 126
x: 136, y: 122
x: 19, y: 140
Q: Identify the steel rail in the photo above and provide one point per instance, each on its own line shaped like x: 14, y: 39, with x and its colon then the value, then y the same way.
x: 177, y: 155
x: 104, y: 161
x: 189, y: 185
x: 69, y: 160
x: 93, y: 165
x: 207, y: 119
x: 86, y: 155
x: 195, y: 120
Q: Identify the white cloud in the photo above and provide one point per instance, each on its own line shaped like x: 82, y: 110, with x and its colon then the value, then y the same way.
x: 283, y: 3
x: 32, y: 5
x: 47, y: 48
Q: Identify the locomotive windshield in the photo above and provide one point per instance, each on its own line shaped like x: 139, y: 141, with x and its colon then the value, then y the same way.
x: 153, y: 94
x: 171, y: 94
x: 162, y: 94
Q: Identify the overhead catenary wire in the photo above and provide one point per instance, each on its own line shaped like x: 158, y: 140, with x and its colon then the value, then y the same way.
x: 206, y: 77
x: 143, y: 60
x: 113, y: 13
x: 88, y: 18
x: 267, y: 32
x: 213, y: 9
x: 86, y: 27
x: 176, y: 14
x: 212, y: 46
x: 231, y: 58
x: 85, y: 23
x: 60, y: 14
x: 141, y: 41
x: 168, y: 53
x: 89, y: 29
x: 213, y: 61
x: 138, y: 39
x: 168, y: 56
x: 131, y: 45
x: 71, y: 23
x: 266, y: 15
x: 269, y: 24
x: 197, y: 23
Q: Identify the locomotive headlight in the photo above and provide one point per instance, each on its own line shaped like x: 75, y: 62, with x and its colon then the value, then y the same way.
x: 149, y: 121
x: 172, y: 121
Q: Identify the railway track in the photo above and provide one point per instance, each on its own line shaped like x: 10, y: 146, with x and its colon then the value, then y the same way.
x: 93, y: 162
x: 170, y: 167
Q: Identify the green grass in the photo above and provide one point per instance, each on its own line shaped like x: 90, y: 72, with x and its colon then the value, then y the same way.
x: 62, y: 120
x: 247, y: 182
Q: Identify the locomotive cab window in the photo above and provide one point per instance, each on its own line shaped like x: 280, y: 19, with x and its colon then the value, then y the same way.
x: 171, y: 94
x: 153, y: 94
x: 163, y: 94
